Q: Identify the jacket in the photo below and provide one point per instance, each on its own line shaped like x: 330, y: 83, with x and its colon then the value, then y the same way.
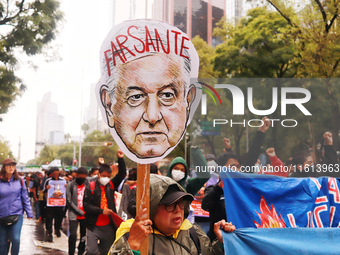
x: 158, y: 243
x: 14, y: 198
x: 192, y: 185
x: 91, y: 202
x: 72, y: 200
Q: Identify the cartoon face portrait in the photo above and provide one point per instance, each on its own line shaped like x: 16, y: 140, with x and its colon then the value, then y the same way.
x: 145, y: 93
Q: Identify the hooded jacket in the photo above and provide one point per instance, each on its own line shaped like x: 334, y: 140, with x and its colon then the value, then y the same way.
x: 192, y: 185
x: 158, y: 243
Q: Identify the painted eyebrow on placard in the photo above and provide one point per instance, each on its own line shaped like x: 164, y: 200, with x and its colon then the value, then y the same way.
x: 134, y: 88
x: 172, y: 86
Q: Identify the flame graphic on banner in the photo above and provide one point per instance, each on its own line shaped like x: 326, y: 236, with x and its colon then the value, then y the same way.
x: 269, y: 217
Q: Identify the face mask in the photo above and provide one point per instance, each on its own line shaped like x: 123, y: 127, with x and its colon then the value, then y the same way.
x: 104, y: 180
x: 94, y: 176
x: 177, y: 175
x: 212, y: 166
x: 80, y: 181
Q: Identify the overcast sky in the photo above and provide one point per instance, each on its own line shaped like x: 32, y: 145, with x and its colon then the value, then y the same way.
x: 78, y: 44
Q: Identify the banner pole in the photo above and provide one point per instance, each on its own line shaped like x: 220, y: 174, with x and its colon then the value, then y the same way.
x: 143, y: 197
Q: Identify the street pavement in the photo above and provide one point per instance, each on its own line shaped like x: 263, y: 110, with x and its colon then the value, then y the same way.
x: 33, y: 240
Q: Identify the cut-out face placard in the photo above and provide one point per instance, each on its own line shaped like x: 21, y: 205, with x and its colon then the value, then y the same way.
x: 145, y: 92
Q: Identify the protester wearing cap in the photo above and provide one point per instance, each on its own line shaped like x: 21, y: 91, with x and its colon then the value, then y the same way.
x: 13, y: 201
x: 168, y: 229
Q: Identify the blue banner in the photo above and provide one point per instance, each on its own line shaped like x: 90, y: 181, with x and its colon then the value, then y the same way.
x: 261, y: 201
x: 280, y: 241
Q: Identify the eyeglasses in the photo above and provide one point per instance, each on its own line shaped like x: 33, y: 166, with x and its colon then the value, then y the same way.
x: 10, y: 165
x: 181, y: 204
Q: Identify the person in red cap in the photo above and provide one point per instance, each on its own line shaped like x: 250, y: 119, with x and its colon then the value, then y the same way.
x: 13, y: 201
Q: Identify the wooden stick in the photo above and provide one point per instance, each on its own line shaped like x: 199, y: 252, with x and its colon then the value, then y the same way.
x: 143, y: 197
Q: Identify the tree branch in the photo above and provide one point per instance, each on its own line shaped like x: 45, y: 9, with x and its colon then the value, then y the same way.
x: 332, y: 20
x: 322, y: 10
x: 335, y: 67
x: 8, y: 19
x: 284, y: 16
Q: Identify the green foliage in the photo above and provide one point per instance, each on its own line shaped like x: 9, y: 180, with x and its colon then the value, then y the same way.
x: 206, y: 55
x: 28, y: 26
x: 259, y: 46
x: 89, y: 154
x: 314, y: 26
x: 5, y: 151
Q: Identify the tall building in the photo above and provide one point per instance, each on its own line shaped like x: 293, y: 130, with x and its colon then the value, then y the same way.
x: 50, y: 125
x: 234, y: 10
x: 194, y: 17
x: 123, y: 10
x: 92, y: 116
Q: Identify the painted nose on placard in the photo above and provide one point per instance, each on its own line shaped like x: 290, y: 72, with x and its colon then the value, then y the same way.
x: 152, y: 112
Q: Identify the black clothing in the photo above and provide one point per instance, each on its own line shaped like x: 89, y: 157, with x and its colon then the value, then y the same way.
x: 213, y: 202
x: 73, y: 225
x: 91, y: 201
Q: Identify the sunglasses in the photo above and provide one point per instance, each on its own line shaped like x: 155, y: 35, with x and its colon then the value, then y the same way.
x: 182, y: 203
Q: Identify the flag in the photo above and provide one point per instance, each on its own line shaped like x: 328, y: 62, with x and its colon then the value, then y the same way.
x: 288, y: 214
x: 282, y: 241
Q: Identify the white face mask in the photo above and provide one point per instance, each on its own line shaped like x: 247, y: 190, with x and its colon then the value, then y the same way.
x: 177, y: 175
x: 104, y: 180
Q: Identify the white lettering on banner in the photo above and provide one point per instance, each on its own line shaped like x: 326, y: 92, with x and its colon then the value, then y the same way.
x: 317, y: 212
x: 332, y: 213
x: 333, y: 189
x: 291, y: 219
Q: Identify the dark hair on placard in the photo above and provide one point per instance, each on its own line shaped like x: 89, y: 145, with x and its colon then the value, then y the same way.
x: 3, y: 173
x: 105, y: 168
x: 82, y: 170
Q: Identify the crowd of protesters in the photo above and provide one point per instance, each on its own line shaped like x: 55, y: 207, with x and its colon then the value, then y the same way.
x: 103, y: 203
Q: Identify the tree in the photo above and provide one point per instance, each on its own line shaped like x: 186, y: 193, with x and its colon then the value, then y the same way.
x: 206, y: 55
x: 315, y: 26
x: 257, y: 47
x: 85, y: 127
x: 5, y: 151
x: 28, y: 26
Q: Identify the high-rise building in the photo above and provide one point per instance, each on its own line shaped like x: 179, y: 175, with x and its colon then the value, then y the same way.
x: 92, y: 117
x: 50, y: 125
x: 234, y: 10
x: 194, y: 17
x: 123, y: 10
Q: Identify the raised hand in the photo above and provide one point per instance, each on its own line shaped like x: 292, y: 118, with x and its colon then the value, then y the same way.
x: 226, y: 142
x: 327, y: 136
x: 271, y: 152
x: 266, y: 125
x: 120, y: 153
